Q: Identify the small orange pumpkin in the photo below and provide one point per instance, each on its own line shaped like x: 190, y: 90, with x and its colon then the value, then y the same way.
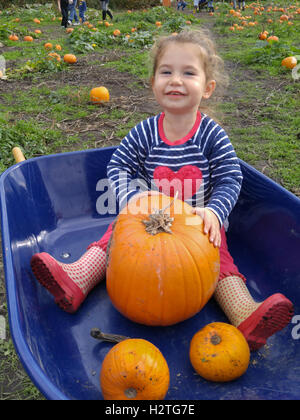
x: 289, y: 62
x: 134, y: 369
x: 117, y: 32
x: 99, y: 95
x: 155, y: 277
x: 273, y: 38
x: 48, y: 46
x: 262, y: 36
x: 219, y: 352
x: 13, y: 37
x: 70, y: 58
x: 28, y: 38
x: 284, y: 17
x: 55, y: 56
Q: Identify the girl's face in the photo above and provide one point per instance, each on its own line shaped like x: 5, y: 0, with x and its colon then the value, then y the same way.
x: 180, y: 83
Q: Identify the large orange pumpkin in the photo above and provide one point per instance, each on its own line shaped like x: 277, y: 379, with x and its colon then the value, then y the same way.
x: 134, y: 369
x: 160, y: 276
x: 219, y: 352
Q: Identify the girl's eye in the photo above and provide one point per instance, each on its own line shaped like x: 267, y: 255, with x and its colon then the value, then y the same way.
x: 189, y: 73
x: 165, y: 72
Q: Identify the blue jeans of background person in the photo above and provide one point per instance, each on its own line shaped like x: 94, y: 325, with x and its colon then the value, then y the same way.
x: 240, y: 1
x: 72, y: 10
x: 181, y: 4
x: 82, y: 10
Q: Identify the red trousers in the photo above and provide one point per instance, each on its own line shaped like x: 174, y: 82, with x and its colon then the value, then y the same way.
x: 227, y: 266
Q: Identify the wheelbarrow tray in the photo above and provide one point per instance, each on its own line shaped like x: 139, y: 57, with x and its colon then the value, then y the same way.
x: 50, y: 204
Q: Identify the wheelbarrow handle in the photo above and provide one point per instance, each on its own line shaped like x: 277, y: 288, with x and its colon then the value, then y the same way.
x: 18, y: 154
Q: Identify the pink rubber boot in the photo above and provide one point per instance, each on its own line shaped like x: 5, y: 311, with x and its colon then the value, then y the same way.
x: 71, y: 283
x: 257, y: 321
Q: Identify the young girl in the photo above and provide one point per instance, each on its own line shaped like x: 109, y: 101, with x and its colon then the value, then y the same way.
x: 185, y: 144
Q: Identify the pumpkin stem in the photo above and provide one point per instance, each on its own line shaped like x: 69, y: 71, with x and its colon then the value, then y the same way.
x: 159, y: 221
x: 112, y: 338
x: 215, y: 339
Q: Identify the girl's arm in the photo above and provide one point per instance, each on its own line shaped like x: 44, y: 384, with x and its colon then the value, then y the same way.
x: 225, y: 174
x: 225, y: 178
x: 58, y: 5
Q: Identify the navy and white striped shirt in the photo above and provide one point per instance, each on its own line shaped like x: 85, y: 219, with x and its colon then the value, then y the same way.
x: 202, y: 167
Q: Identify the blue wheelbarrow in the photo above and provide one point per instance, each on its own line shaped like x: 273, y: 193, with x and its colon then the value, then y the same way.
x: 50, y: 204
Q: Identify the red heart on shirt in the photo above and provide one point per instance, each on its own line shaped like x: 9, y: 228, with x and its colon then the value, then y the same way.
x: 186, y: 181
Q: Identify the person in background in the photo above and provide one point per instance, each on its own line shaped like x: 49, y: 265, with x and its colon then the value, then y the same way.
x: 72, y: 12
x: 210, y: 6
x: 241, y: 2
x: 82, y: 9
x: 63, y: 7
x: 181, y: 4
x: 104, y: 6
x: 196, y: 6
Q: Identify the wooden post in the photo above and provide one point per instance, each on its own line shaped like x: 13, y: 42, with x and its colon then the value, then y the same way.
x: 167, y: 3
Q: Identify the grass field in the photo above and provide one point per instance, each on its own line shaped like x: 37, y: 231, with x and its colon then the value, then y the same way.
x: 45, y: 107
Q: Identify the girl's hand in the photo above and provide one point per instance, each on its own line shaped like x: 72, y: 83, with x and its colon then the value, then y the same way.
x: 211, y: 224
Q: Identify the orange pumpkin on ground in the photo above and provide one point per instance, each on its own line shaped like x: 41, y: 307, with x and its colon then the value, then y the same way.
x: 70, y: 59
x: 262, y: 36
x: 28, y: 38
x: 48, y: 46
x: 219, y: 352
x: 273, y: 38
x: 289, y: 62
x: 55, y: 56
x: 117, y: 32
x: 99, y: 95
x: 284, y: 17
x: 13, y: 37
x: 134, y: 369
x: 155, y: 277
